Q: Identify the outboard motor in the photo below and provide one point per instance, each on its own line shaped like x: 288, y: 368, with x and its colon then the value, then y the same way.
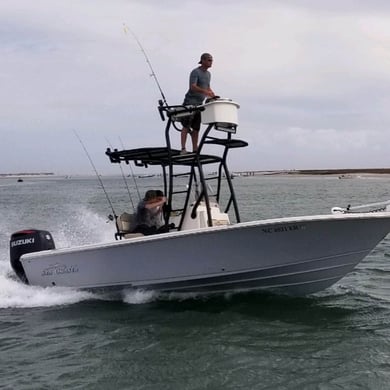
x: 27, y: 241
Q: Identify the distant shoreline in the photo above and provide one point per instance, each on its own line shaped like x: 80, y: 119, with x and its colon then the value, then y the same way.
x: 296, y: 172
x: 292, y: 172
x: 343, y: 171
x: 25, y: 174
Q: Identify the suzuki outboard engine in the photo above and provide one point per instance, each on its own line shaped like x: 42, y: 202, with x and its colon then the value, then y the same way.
x: 27, y: 241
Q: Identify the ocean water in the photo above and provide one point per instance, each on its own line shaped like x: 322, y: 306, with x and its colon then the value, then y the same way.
x: 68, y: 339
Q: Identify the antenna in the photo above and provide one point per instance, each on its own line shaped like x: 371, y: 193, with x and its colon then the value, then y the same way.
x: 126, y: 29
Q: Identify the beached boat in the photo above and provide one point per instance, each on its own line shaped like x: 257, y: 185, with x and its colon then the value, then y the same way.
x: 203, y: 250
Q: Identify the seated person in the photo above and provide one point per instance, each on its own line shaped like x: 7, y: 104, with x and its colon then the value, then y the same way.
x: 165, y: 209
x: 149, y: 214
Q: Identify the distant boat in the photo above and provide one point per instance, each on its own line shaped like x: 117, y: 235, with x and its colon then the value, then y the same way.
x: 144, y: 176
x: 346, y: 176
x: 20, y: 180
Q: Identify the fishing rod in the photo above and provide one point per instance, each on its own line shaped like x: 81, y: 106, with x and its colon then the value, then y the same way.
x: 131, y: 170
x: 124, y: 179
x: 126, y: 29
x: 97, y: 174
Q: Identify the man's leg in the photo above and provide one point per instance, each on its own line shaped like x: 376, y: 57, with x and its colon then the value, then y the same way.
x: 195, y: 131
x: 194, y: 137
x: 184, y: 133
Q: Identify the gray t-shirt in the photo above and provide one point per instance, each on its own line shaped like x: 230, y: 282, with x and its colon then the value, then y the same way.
x: 202, y: 79
x: 149, y: 217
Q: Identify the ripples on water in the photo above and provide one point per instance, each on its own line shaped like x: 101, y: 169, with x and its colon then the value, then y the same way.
x: 63, y: 338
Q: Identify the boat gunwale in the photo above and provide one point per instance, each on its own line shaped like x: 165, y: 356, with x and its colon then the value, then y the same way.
x: 207, y: 230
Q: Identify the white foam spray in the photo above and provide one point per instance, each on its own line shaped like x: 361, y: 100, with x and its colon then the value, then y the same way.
x: 83, y: 227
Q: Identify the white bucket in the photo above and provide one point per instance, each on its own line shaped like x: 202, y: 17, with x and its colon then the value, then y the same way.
x: 220, y: 111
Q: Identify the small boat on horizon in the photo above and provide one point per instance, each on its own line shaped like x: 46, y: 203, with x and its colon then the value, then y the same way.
x: 145, y: 176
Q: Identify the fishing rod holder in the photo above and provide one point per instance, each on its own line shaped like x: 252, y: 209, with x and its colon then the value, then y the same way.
x: 219, y: 112
x: 178, y: 112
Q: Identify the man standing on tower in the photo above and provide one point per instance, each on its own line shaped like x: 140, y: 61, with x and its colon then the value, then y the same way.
x: 198, y: 91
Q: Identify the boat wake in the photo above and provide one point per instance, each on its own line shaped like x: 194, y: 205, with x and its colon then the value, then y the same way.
x: 82, y: 227
x: 142, y: 296
x: 15, y: 294
x: 136, y: 297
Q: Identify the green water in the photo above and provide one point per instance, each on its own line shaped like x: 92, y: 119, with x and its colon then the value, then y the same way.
x: 53, y: 338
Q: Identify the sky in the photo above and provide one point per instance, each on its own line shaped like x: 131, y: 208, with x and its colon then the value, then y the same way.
x: 312, y: 79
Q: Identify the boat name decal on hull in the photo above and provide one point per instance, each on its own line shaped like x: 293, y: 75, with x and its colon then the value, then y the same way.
x: 285, y: 228
x: 60, y: 269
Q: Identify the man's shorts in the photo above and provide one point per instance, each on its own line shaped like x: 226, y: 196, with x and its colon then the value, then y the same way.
x: 192, y: 121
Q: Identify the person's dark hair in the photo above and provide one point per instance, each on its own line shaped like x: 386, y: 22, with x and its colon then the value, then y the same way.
x: 150, y: 195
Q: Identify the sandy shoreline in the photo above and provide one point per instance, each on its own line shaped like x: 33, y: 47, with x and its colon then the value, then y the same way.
x: 341, y: 173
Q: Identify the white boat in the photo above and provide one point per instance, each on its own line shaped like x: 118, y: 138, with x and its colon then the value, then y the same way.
x: 205, y: 251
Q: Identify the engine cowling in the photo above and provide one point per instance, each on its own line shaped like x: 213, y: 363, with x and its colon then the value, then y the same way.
x: 27, y: 241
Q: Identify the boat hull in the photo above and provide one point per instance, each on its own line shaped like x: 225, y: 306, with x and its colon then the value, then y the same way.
x: 296, y: 256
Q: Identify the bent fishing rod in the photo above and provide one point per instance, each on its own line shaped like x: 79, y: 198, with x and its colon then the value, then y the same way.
x: 126, y: 29
x: 161, y: 103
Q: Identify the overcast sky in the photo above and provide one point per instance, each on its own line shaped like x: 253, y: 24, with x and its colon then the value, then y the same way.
x: 311, y: 77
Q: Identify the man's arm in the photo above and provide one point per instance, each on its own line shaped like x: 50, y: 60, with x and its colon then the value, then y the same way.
x: 157, y: 203
x: 207, y: 92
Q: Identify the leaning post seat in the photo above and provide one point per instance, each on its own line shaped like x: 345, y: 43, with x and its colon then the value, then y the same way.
x: 126, y: 224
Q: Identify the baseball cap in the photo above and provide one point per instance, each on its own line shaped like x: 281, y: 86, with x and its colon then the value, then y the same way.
x: 205, y: 56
